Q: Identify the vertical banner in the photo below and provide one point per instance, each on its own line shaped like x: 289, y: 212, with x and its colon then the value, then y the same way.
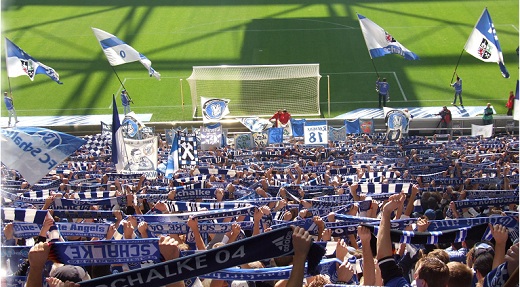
x: 141, y: 157
x: 396, y: 122
x: 188, y: 151
x: 316, y: 133
x: 210, y: 136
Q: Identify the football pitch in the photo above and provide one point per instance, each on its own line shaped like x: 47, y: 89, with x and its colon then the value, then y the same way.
x: 177, y: 35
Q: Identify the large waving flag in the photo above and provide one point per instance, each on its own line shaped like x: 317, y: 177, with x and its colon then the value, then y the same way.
x: 119, y: 52
x: 118, y: 145
x: 380, y: 42
x: 35, y: 151
x: 19, y: 63
x: 483, y: 43
x: 173, y: 158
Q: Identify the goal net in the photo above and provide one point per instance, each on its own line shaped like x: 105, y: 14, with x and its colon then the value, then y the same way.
x: 258, y: 90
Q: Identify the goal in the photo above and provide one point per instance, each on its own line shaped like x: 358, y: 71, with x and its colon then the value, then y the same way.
x: 258, y: 90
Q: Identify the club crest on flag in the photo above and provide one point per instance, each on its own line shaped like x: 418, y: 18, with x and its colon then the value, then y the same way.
x: 484, y: 49
x: 214, y: 109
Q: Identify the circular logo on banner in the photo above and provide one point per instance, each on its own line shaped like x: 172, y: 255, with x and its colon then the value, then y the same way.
x: 130, y: 127
x: 214, y: 109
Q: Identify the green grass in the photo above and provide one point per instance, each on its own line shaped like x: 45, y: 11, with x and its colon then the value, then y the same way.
x: 177, y: 35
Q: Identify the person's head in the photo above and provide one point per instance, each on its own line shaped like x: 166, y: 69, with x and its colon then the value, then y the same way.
x: 124, y: 91
x: 431, y: 272
x: 458, y: 78
x: 444, y: 108
x: 69, y: 273
x: 511, y: 93
x: 384, y: 79
x: 460, y: 275
x: 483, y: 264
x: 440, y: 254
x: 488, y: 105
x: 5, y: 94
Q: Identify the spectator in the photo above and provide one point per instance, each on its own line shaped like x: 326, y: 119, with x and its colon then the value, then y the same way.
x: 510, y: 103
x: 488, y: 115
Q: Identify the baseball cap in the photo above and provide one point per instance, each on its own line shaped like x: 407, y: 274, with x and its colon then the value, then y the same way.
x: 70, y: 273
x: 430, y: 213
x: 481, y: 248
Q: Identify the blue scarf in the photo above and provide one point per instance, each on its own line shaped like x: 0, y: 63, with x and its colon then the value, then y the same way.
x: 486, y: 202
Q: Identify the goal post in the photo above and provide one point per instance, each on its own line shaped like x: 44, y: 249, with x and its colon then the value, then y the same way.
x: 258, y: 90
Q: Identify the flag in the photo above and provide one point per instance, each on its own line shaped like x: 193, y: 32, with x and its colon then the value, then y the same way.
x: 255, y: 124
x: 485, y: 131
x: 118, y: 145
x: 275, y: 135
x: 119, y: 52
x: 35, y: 151
x: 483, y: 43
x: 173, y: 158
x: 516, y: 106
x: 20, y: 63
x: 213, y: 109
x: 353, y: 126
x: 380, y: 42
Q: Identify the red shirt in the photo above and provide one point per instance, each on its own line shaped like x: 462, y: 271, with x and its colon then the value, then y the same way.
x: 284, y: 118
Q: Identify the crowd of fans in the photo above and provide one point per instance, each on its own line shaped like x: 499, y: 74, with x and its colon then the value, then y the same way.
x: 373, y: 205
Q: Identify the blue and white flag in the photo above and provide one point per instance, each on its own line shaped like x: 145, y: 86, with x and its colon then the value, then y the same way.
x: 35, y: 151
x: 483, y: 43
x: 118, y: 144
x: 213, y: 110
x: 275, y: 135
x: 255, y: 124
x: 380, y: 42
x: 119, y: 52
x: 397, y: 123
x: 173, y: 158
x: 19, y: 63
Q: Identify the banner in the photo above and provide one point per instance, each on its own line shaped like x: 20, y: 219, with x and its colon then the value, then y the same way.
x: 35, y: 151
x: 141, y: 157
x: 213, y: 110
x: 485, y: 131
x: 316, y: 133
x: 396, y: 122
x: 210, y: 136
x: 244, y: 141
x: 260, y: 139
x: 353, y: 126
x: 297, y: 127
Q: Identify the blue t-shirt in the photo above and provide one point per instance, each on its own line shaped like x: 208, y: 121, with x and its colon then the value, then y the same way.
x: 124, y: 99
x: 8, y: 103
x: 383, y: 87
x: 458, y: 86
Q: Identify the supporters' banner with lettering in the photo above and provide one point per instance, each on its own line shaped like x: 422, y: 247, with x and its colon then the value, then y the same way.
x: 131, y: 126
x: 213, y: 110
x: 141, y: 157
x: 261, y: 139
x: 35, y: 151
x: 255, y: 124
x: 485, y: 131
x: 275, y: 135
x: 106, y: 129
x: 367, y: 126
x: 211, y: 136
x: 316, y: 133
x: 188, y: 150
x: 244, y: 141
x: 297, y: 127
x: 337, y: 134
x: 353, y: 126
x: 287, y: 129
x: 396, y: 122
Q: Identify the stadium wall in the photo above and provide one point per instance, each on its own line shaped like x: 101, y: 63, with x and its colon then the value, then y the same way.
x: 424, y: 127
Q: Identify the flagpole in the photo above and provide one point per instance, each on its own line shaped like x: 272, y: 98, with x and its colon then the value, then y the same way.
x: 456, y: 66
x: 373, y: 64
x: 113, y: 69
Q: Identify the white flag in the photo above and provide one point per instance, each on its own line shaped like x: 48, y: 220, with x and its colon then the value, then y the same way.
x: 119, y: 52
